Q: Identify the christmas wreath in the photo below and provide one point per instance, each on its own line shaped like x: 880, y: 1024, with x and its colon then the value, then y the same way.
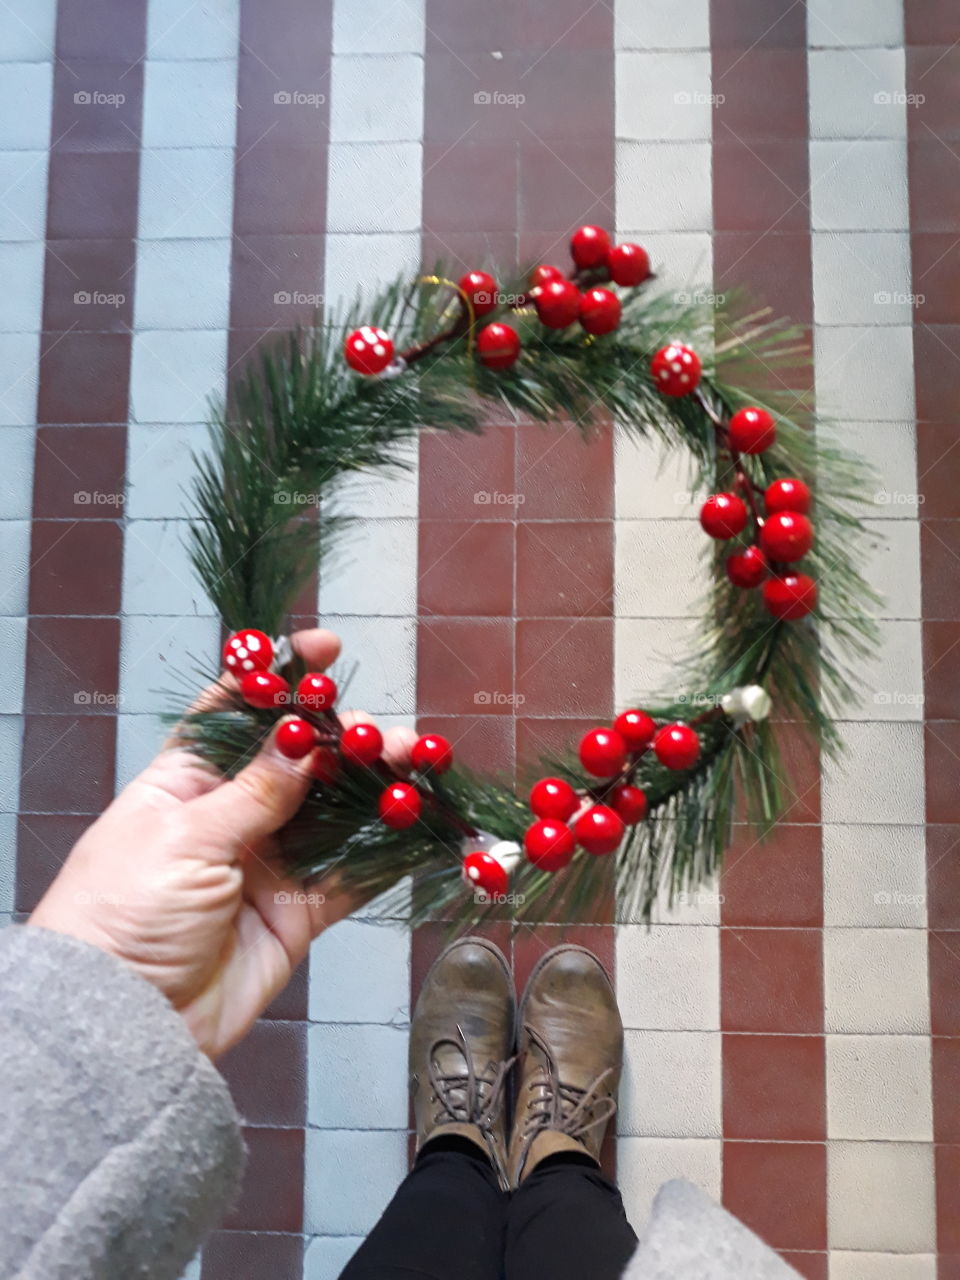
x: 645, y: 805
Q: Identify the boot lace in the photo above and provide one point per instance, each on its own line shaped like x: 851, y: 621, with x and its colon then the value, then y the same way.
x: 473, y: 1098
x: 565, y: 1107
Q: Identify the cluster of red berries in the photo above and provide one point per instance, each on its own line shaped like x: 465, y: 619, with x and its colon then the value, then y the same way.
x: 608, y: 753
x: 558, y: 302
x: 250, y: 656
x: 783, y: 536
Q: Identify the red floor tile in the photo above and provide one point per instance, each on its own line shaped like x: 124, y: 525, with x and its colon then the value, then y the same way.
x: 774, y: 1087
x: 779, y: 1190
x: 772, y: 980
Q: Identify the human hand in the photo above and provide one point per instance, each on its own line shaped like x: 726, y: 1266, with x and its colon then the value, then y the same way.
x: 179, y: 877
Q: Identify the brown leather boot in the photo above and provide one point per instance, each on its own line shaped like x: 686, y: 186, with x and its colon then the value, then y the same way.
x: 570, y: 1040
x: 461, y: 1039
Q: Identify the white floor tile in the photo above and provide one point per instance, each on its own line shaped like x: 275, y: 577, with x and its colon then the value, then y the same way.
x: 16, y: 479
x: 875, y: 980
x: 186, y: 193
x: 361, y: 973
x: 879, y: 776
x: 350, y: 1177
x: 374, y: 260
x: 358, y: 1077
x: 646, y: 652
x: 846, y: 1265
x: 385, y: 648
x: 856, y: 93
x: 676, y: 587
x: 19, y: 377
x: 161, y: 470
x: 174, y: 375
x: 27, y: 30
x: 159, y: 656
x: 664, y: 96
x: 14, y: 567
x: 380, y: 26
x: 139, y: 738
x: 374, y: 187
x: 879, y: 1087
x: 651, y: 24
x: 375, y: 571
x: 21, y: 303
x: 326, y: 1256
x: 653, y: 482
x: 158, y: 578
x: 890, y: 680
x: 183, y: 284
x: 880, y: 1196
x: 645, y: 1164
x: 664, y: 186
x: 671, y: 1085
x: 890, y: 450
x: 858, y: 186
x: 186, y: 29
x: 860, y: 371
x: 668, y: 977
x: 861, y: 277
x: 360, y: 84
x: 849, y: 23
x: 189, y: 104
x: 23, y: 209
x: 874, y: 875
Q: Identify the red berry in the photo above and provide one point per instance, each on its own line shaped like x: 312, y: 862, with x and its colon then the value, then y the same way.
x: 553, y: 798
x: 400, y: 805
x: 791, y: 597
x: 317, y: 691
x: 544, y: 273
x: 248, y: 651
x: 548, y: 844
x: 265, y: 689
x: 723, y: 515
x: 557, y: 303
x: 752, y: 430
x: 636, y: 729
x: 589, y: 246
x: 629, y: 802
x: 788, y: 494
x: 498, y: 345
x: 788, y: 535
x: 324, y: 766
x: 296, y: 739
x: 481, y: 288
x: 599, y: 830
x: 677, y: 746
x: 676, y: 369
x: 361, y: 743
x: 603, y: 752
x: 482, y: 871
x: 599, y: 311
x: 432, y: 751
x: 747, y: 568
x: 628, y: 264
x: 368, y: 350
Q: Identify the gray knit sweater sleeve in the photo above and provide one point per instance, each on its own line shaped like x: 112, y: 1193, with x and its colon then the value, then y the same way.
x: 119, y: 1143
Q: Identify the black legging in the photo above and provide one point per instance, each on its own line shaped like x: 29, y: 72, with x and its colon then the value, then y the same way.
x: 450, y: 1221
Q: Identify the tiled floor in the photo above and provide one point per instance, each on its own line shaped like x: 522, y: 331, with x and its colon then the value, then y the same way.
x: 792, y: 1031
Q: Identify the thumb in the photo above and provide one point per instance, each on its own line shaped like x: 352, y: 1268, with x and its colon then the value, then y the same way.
x: 263, y: 795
